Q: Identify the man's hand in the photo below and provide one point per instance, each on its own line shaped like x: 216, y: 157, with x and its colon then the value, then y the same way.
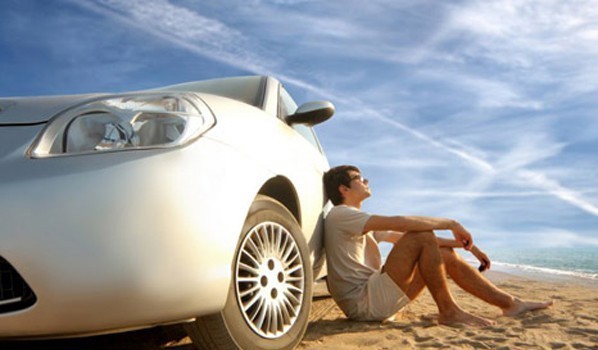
x: 462, y: 235
x: 482, y: 257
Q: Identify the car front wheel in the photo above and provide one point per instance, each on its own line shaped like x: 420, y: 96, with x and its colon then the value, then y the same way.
x: 270, y: 295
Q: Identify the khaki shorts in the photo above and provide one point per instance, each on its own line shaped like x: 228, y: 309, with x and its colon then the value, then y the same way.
x: 382, y: 299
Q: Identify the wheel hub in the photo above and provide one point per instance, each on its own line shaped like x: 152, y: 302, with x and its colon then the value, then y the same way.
x: 269, y: 279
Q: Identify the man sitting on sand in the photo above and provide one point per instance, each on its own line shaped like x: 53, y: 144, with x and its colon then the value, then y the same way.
x: 365, y: 290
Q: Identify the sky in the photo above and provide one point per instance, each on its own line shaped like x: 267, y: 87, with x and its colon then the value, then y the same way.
x: 481, y: 111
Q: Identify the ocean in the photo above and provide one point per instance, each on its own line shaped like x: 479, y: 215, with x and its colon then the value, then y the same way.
x: 544, y: 263
x: 548, y: 262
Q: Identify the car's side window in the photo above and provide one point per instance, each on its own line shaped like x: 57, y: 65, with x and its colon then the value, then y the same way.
x: 287, y: 106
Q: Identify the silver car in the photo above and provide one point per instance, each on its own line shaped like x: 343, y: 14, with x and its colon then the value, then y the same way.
x: 198, y: 203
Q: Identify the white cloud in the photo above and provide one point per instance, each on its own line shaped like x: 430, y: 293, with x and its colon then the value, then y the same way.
x: 492, y: 29
x: 495, y: 94
x: 528, y: 149
x: 442, y: 193
x: 541, y: 181
x: 185, y: 28
x: 550, y: 237
x: 525, y: 27
x: 549, y: 38
x: 283, y: 2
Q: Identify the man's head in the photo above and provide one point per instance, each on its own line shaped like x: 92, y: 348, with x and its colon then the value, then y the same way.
x: 345, y: 180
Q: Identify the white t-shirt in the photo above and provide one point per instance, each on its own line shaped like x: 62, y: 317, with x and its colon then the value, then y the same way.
x: 351, y: 256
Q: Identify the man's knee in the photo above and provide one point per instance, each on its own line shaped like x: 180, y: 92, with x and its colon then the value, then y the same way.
x: 423, y: 237
x: 449, y: 256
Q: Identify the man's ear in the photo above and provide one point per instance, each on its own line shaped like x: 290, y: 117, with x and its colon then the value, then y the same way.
x: 343, y: 189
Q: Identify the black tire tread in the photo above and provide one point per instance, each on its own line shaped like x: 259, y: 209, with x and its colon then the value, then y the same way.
x: 210, y: 333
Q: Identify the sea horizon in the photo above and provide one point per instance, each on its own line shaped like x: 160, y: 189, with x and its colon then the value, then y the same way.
x: 577, y: 263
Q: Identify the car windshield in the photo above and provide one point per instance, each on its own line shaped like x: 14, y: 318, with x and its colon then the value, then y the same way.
x: 245, y: 89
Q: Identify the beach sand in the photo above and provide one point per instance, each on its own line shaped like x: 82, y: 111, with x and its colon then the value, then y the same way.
x: 571, y: 323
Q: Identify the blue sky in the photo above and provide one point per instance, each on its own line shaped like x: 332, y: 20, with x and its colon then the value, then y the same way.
x: 483, y: 111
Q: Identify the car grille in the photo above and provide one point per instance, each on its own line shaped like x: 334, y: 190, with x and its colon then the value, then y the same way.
x: 15, y: 294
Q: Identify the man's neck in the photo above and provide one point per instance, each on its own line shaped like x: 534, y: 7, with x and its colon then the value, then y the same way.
x: 354, y: 204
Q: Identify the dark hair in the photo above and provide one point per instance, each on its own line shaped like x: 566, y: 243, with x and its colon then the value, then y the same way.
x: 335, y: 177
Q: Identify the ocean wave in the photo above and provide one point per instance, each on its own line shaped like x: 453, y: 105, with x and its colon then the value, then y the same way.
x: 544, y: 270
x: 587, y: 274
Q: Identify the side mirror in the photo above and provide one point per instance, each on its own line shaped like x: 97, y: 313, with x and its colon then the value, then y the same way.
x: 312, y: 113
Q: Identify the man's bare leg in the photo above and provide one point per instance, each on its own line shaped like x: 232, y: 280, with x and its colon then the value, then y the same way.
x: 420, y: 250
x: 472, y: 281
x: 417, y: 285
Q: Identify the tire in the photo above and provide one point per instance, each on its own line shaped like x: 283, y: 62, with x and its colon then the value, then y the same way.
x: 270, y: 296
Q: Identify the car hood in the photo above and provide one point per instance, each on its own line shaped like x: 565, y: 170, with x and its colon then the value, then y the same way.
x: 35, y: 110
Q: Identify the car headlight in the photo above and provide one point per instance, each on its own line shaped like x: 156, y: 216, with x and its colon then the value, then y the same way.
x: 125, y: 122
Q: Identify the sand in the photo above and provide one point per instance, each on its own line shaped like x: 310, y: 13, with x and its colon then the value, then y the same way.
x: 572, y: 323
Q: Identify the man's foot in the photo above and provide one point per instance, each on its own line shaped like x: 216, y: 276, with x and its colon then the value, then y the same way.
x: 460, y: 317
x: 521, y: 306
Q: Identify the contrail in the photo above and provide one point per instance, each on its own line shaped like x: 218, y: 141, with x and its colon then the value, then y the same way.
x: 210, y: 38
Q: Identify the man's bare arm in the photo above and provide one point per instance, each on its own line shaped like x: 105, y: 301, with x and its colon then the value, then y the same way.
x: 388, y: 236
x: 480, y: 255
x: 407, y: 223
x: 419, y: 223
x: 394, y: 237
x: 449, y: 243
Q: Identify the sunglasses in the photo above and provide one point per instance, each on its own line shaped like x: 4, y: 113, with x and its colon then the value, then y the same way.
x: 360, y: 178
